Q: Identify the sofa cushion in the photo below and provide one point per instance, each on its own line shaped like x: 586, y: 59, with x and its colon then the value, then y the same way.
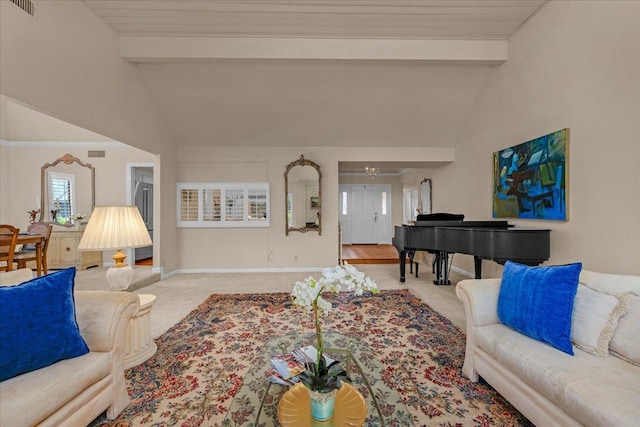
x: 626, y: 340
x: 32, y: 397
x: 596, y: 391
x: 595, y: 319
x: 616, y: 284
x: 538, y: 301
x: 38, y: 324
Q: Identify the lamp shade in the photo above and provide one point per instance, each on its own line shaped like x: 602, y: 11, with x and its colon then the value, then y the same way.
x: 114, y: 227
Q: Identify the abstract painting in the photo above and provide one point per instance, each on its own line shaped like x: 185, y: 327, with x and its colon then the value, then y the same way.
x: 530, y: 180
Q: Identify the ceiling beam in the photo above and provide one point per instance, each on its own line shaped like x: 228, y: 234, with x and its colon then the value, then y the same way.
x: 162, y: 49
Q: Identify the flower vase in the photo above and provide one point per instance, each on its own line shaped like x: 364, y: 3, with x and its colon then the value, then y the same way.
x: 322, y: 404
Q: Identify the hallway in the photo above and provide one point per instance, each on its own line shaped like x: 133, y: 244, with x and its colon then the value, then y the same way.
x: 370, y: 254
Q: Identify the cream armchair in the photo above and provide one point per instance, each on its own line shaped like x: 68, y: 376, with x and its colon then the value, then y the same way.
x: 75, y: 391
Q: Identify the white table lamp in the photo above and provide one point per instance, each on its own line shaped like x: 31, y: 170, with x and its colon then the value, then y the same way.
x: 115, y: 228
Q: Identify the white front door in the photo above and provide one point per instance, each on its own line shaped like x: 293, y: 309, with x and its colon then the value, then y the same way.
x: 365, y: 212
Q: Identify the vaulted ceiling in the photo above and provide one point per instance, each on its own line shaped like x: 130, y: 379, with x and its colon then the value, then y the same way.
x: 361, y: 73
x: 377, y: 19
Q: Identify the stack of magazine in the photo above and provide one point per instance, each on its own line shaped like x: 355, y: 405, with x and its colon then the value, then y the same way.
x: 287, y: 367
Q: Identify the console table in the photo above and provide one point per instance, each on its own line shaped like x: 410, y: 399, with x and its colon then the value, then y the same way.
x: 63, y: 252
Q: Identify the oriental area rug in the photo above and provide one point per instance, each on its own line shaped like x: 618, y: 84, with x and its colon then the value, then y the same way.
x: 200, y: 364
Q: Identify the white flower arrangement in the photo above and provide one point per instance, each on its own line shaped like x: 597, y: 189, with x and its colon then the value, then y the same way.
x: 308, y: 295
x: 308, y: 292
x: 78, y: 217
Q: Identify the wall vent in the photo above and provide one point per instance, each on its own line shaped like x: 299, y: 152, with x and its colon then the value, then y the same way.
x: 96, y: 153
x: 26, y: 5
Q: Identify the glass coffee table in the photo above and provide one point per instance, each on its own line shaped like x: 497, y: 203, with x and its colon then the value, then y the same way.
x: 256, y: 403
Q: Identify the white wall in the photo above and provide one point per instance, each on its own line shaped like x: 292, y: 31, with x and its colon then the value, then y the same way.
x: 66, y: 63
x: 269, y: 248
x: 575, y: 65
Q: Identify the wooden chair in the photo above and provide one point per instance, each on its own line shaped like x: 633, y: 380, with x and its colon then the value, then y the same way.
x: 28, y: 253
x: 8, y: 246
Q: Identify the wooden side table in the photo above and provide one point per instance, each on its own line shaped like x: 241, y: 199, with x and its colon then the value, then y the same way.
x: 139, y: 344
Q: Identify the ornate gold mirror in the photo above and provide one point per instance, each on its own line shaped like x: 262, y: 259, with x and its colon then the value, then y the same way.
x: 67, y: 188
x: 303, y: 196
x: 425, y: 194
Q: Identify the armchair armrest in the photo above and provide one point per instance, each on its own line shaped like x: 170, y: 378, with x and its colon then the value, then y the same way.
x: 15, y: 277
x: 480, y: 299
x: 103, y: 316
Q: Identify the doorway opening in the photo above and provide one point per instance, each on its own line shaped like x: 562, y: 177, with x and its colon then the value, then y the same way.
x: 365, y: 222
x: 365, y: 213
x: 140, y: 194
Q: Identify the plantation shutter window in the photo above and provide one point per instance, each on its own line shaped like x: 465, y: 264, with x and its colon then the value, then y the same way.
x: 234, y: 201
x: 213, y: 205
x: 257, y: 204
x: 61, y: 195
x: 188, y: 205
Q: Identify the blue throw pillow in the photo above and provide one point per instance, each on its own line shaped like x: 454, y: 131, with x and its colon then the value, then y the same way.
x: 38, y: 324
x: 538, y: 301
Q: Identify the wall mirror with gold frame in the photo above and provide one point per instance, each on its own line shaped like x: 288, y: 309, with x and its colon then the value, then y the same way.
x: 67, y: 186
x: 303, y: 196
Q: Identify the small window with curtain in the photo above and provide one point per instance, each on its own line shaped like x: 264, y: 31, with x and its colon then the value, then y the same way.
x: 345, y: 198
x: 383, y: 209
x: 61, y: 195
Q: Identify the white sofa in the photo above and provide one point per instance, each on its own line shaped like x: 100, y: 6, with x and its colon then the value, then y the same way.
x: 549, y: 387
x: 73, y: 392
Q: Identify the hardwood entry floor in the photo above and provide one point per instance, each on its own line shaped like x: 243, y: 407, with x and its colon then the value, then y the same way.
x: 370, y: 254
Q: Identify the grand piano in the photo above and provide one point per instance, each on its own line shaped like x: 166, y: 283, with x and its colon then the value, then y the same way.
x: 494, y: 240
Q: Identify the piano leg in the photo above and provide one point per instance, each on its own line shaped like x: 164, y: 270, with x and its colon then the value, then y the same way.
x: 477, y: 263
x: 403, y: 264
x: 411, y: 255
x: 442, y: 270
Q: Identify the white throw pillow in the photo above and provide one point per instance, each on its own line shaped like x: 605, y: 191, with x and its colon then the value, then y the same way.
x: 594, y: 320
x: 626, y: 340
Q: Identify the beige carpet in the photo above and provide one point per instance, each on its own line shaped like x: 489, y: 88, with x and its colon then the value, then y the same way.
x: 179, y: 295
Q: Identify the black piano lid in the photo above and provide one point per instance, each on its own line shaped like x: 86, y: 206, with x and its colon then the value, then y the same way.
x: 465, y: 224
x: 510, y: 227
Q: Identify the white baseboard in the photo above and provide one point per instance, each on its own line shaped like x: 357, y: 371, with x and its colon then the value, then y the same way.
x: 245, y: 270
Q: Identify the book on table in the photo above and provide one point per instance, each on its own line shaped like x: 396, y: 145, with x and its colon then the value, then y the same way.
x: 287, y: 366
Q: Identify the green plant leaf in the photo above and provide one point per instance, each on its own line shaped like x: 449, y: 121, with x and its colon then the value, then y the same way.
x: 323, y: 378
